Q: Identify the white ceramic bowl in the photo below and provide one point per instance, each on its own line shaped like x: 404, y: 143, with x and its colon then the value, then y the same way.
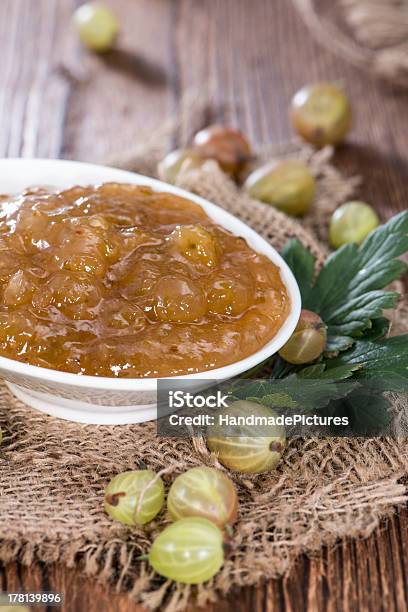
x: 98, y: 400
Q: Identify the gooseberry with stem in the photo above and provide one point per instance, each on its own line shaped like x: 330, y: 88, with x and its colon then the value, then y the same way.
x: 307, y: 342
x: 225, y: 145
x: 251, y: 449
x: 204, y: 491
x: 134, y: 497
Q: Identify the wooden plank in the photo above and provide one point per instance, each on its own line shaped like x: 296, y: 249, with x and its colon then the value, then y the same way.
x: 123, y: 94
x: 33, y: 94
x: 247, y: 58
x: 250, y: 59
x: 353, y: 575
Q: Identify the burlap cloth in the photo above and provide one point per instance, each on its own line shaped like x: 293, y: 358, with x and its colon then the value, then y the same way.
x: 371, y: 34
x: 53, y: 472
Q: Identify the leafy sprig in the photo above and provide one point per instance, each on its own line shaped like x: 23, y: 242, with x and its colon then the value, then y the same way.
x: 349, y: 291
x: 383, y: 364
x: 292, y: 392
x: 349, y: 294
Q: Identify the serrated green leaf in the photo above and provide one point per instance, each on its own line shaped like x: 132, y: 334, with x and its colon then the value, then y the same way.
x: 384, y: 363
x: 277, y: 400
x: 341, y: 372
x: 282, y: 369
x: 348, y: 292
x: 379, y: 329
x: 367, y: 412
x: 388, y: 240
x: 293, y: 391
x: 302, y: 263
x: 335, y: 343
x: 312, y: 371
x: 254, y: 389
x: 349, y: 296
x: 348, y: 316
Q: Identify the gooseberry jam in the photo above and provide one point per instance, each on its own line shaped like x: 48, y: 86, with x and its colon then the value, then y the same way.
x: 119, y: 280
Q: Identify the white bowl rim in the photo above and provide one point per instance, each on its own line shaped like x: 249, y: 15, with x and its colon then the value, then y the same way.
x: 149, y: 384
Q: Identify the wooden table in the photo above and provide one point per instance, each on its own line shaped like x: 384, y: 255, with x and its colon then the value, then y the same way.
x: 248, y: 57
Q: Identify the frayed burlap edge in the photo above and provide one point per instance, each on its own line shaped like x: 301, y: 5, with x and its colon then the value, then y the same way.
x: 54, y: 472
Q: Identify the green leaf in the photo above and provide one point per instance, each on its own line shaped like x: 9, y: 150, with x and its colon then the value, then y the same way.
x: 368, y: 412
x: 347, y: 317
x: 293, y: 392
x: 302, y: 263
x: 319, y: 371
x: 355, y: 316
x: 348, y: 292
x: 384, y: 363
x: 282, y: 369
x: 312, y: 371
x: 334, y: 343
x: 278, y: 400
x: 359, y: 361
x: 379, y: 329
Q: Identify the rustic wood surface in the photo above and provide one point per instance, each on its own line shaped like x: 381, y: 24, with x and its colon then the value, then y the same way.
x: 248, y: 58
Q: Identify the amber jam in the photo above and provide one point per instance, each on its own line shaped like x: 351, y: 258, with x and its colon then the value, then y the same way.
x: 119, y: 280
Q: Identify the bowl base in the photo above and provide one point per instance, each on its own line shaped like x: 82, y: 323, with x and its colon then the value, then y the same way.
x: 82, y: 412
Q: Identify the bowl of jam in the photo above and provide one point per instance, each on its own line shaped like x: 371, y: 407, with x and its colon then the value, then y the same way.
x: 110, y: 280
